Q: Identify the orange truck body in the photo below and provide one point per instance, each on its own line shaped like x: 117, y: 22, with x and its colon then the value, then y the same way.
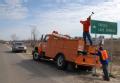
x: 70, y: 48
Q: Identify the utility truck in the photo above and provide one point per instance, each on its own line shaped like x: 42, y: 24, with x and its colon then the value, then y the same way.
x: 66, y: 51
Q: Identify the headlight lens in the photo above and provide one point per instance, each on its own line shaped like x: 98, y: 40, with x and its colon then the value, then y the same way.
x: 25, y: 47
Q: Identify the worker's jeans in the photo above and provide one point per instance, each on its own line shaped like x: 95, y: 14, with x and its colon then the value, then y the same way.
x: 105, y: 71
x: 87, y: 34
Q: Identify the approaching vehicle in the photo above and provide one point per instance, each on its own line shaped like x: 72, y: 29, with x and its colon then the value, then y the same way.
x: 19, y: 47
x: 66, y: 51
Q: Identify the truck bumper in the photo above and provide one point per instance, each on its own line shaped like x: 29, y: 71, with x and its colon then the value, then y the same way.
x: 88, y: 61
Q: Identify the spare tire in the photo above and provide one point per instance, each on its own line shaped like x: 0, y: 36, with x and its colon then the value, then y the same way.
x: 36, y: 56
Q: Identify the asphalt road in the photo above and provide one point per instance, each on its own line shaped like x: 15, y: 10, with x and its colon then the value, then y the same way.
x: 20, y: 68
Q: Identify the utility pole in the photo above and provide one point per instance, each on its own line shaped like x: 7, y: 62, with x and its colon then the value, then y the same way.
x: 33, y: 35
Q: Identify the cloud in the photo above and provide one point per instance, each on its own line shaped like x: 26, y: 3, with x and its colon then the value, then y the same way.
x: 104, y: 10
x: 51, y: 3
x: 19, y: 31
x: 108, y: 11
x: 60, y: 15
x: 66, y: 19
x: 13, y: 10
x: 13, y: 2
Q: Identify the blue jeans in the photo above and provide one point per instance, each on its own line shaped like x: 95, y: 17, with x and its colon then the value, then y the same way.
x: 87, y: 34
x: 105, y: 71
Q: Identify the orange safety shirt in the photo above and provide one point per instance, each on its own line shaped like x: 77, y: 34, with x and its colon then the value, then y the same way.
x: 86, y: 25
x: 104, y: 55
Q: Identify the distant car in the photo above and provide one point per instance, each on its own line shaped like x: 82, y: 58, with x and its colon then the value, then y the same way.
x: 19, y: 47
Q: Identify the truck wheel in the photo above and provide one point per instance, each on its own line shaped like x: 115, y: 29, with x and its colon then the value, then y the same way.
x: 35, y: 56
x: 61, y: 63
x: 71, y: 67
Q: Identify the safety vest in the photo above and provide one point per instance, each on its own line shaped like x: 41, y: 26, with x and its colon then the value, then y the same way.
x: 104, y: 55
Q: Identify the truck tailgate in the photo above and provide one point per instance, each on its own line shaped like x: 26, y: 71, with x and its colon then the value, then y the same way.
x: 88, y: 61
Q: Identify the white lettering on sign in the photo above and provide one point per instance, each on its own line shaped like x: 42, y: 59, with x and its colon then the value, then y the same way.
x: 101, y: 29
x: 110, y: 30
x: 102, y: 25
x: 94, y: 26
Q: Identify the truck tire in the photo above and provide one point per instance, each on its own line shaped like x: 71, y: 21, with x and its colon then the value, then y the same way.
x: 70, y: 67
x: 36, y: 56
x: 60, y: 62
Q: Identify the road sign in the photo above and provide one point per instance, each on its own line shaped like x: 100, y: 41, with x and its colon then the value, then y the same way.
x: 103, y: 27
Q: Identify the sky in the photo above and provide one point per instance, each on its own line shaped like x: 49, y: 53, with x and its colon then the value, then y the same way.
x: 19, y: 17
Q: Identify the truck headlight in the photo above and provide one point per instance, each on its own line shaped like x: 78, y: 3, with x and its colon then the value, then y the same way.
x: 25, y: 47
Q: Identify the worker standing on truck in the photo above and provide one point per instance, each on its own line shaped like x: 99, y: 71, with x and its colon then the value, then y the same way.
x: 103, y: 55
x: 86, y: 26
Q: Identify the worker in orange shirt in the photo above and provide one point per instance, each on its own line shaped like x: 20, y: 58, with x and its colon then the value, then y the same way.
x: 86, y: 26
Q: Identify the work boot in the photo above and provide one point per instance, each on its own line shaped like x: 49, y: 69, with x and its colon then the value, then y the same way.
x: 106, y: 79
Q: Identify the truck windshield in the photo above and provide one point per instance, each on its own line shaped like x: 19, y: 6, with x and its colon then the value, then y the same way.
x: 18, y: 43
x: 46, y: 38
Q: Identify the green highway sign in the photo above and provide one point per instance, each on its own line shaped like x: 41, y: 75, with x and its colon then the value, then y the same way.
x: 103, y: 27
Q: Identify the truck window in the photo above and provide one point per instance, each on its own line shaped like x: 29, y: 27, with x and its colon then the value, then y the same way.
x: 46, y: 38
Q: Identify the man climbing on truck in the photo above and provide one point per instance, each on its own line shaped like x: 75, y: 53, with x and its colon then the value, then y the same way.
x: 86, y: 26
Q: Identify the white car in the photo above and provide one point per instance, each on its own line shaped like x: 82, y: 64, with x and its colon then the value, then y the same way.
x: 19, y: 47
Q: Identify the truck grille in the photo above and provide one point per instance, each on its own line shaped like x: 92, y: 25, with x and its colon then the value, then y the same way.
x: 21, y: 47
